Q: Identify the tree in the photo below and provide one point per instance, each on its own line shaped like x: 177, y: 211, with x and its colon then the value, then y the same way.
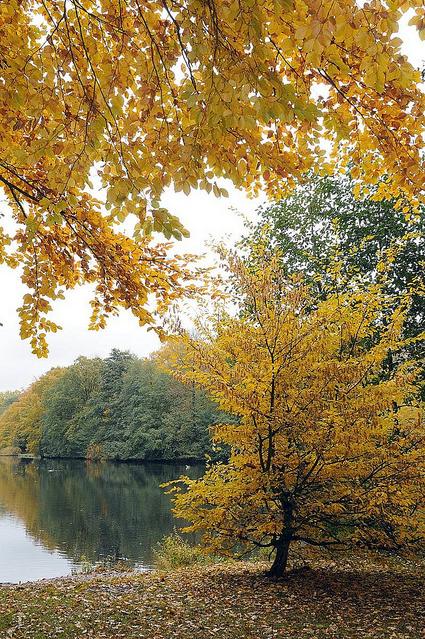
x: 21, y: 424
x: 162, y: 418
x: 134, y: 97
x: 70, y: 419
x: 329, y: 448
x: 322, y: 219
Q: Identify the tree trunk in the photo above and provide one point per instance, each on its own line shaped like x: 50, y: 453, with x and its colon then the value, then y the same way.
x: 281, y: 558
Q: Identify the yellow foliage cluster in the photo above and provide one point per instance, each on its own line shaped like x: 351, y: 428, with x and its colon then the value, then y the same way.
x: 136, y: 96
x: 20, y: 424
x: 329, y: 446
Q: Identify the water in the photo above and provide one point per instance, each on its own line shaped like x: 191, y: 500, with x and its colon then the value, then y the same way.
x: 57, y: 516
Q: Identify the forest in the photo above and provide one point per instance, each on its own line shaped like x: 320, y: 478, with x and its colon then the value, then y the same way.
x: 119, y: 408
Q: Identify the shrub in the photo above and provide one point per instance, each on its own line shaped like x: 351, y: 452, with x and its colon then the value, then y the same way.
x: 175, y: 552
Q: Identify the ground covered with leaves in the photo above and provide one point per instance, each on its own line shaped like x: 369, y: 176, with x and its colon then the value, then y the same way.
x: 231, y: 601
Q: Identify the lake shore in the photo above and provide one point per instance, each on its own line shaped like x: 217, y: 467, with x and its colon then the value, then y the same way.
x: 13, y: 453
x: 342, y: 600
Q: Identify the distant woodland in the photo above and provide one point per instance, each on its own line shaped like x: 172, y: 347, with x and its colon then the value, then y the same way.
x: 121, y: 407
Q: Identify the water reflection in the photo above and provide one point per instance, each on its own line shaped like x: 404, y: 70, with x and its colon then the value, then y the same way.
x: 56, y: 514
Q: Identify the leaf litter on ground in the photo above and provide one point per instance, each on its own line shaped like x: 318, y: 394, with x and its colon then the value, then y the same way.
x: 338, y: 600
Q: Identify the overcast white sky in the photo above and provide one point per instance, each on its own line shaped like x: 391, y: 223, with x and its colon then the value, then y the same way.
x: 204, y: 215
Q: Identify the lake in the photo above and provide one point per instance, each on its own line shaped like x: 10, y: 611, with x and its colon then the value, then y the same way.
x: 58, y: 516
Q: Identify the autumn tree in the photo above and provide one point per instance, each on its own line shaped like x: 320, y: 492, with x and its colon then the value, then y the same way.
x: 21, y: 424
x: 105, y: 104
x: 328, y: 451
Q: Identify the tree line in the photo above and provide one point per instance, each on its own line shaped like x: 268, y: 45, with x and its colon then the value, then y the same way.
x: 121, y: 407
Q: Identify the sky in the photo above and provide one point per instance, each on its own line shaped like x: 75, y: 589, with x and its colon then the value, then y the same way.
x: 205, y: 216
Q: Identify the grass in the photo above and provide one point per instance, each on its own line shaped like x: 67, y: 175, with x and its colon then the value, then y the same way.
x: 346, y: 600
x: 176, y: 552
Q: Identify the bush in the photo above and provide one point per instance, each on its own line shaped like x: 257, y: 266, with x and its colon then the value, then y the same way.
x: 175, y: 552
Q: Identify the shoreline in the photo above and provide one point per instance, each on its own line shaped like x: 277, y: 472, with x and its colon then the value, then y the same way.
x: 181, y: 460
x: 360, y: 562
x: 78, y: 577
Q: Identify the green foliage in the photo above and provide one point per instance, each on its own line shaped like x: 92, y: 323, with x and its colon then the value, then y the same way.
x: 68, y: 412
x: 323, y: 219
x: 162, y: 417
x: 175, y: 552
x: 118, y: 408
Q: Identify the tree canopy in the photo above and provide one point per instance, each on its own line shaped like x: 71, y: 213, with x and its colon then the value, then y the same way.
x: 137, y: 96
x: 329, y: 447
x: 21, y: 422
x: 322, y: 221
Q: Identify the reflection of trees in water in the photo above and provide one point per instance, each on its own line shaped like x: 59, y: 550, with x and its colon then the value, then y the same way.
x: 91, y: 510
